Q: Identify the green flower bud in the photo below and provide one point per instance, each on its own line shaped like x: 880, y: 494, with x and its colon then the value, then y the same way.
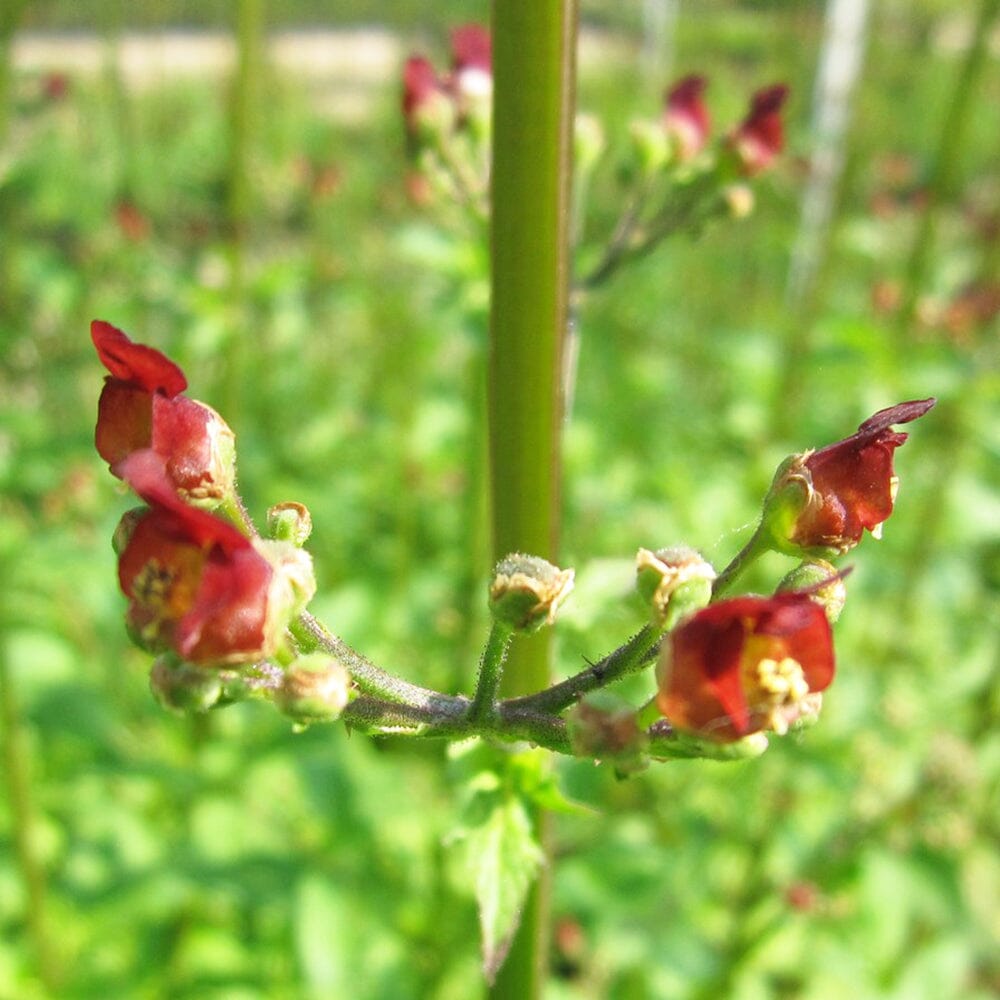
x: 604, y: 726
x: 125, y: 528
x: 292, y: 585
x: 316, y: 688
x: 651, y: 146
x: 588, y: 142
x: 675, y: 582
x: 738, y: 199
x: 289, y: 522
x: 823, y: 584
x: 526, y: 591
x: 182, y: 687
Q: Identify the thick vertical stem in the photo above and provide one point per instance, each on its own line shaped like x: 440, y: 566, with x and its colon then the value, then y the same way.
x: 534, y: 73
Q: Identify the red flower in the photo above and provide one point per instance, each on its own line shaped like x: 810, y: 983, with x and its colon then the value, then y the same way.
x: 428, y: 108
x: 142, y: 406
x: 824, y: 500
x: 471, y: 48
x: 759, y: 138
x: 471, y: 78
x: 420, y: 86
x: 746, y: 665
x: 685, y: 117
x: 198, y: 587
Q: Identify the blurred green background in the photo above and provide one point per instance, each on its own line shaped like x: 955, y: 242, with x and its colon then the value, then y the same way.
x: 268, y: 245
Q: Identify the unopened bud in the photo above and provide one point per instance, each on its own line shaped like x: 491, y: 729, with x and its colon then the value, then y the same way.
x: 182, y: 687
x: 822, y: 582
x: 588, y: 141
x: 675, y: 582
x: 289, y: 522
x: 651, y: 146
x: 526, y: 591
x: 125, y: 528
x: 316, y: 688
x: 604, y: 727
x: 292, y: 585
x: 739, y: 200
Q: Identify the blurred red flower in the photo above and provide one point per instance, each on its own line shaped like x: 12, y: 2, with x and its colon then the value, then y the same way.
x: 760, y: 137
x: 685, y: 117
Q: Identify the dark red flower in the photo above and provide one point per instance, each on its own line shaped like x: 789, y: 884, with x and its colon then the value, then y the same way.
x: 421, y: 87
x: 142, y: 406
x: 471, y: 48
x: 824, y: 500
x: 760, y: 137
x: 746, y: 665
x: 196, y: 586
x: 428, y: 106
x: 685, y: 117
x: 471, y: 77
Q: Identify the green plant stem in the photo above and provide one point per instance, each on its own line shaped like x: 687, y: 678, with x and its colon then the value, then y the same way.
x: 534, y: 50
x: 635, y: 655
x: 743, y: 559
x: 11, y: 12
x: 312, y: 635
x: 490, y: 672
x: 946, y: 161
x: 634, y: 239
x: 17, y: 781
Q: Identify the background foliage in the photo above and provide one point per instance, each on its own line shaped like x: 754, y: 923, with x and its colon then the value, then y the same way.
x: 337, y: 326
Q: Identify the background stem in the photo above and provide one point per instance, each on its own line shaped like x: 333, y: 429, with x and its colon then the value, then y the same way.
x: 534, y: 76
x: 17, y: 785
x: 944, y: 174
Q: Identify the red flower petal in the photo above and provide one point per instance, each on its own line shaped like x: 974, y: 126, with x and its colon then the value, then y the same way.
x: 420, y: 83
x: 124, y: 420
x: 685, y: 116
x: 852, y: 480
x: 228, y: 618
x: 136, y: 364
x: 145, y: 471
x: 471, y: 48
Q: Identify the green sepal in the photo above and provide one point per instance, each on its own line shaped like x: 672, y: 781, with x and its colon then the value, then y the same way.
x: 666, y: 743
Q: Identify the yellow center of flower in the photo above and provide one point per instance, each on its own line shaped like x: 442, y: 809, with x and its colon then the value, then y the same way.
x: 776, y: 687
x: 166, y: 592
x: 151, y: 586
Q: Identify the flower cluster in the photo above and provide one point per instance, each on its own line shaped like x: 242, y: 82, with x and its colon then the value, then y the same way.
x: 684, y: 132
x: 447, y: 118
x: 681, y: 175
x: 201, y: 591
x: 752, y: 664
x: 223, y: 608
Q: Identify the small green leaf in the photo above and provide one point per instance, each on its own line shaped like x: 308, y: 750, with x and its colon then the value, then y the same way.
x: 503, y: 858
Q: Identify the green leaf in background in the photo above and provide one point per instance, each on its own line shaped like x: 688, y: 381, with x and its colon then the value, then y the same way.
x: 499, y: 852
x: 503, y: 857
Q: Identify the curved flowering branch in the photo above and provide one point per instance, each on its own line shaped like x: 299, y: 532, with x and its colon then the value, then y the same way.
x: 225, y: 608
